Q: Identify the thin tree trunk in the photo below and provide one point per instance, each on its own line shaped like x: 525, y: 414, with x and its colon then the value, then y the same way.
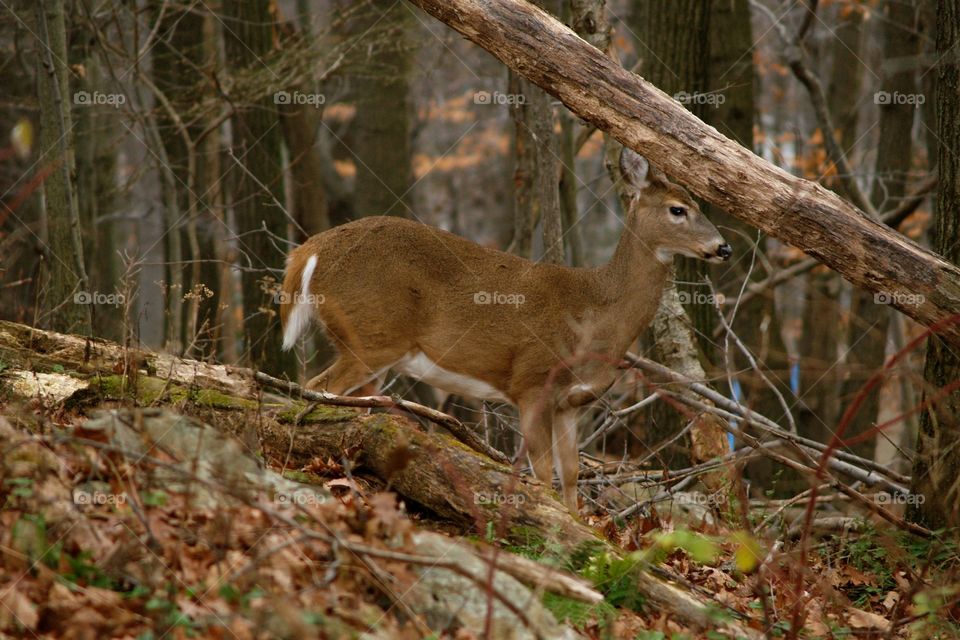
x: 673, y: 46
x: 262, y: 225
x: 96, y: 159
x: 936, y: 470
x: 67, y: 300
x: 524, y: 166
x: 175, y: 57
x: 382, y: 123
x: 301, y: 124
x: 537, y: 164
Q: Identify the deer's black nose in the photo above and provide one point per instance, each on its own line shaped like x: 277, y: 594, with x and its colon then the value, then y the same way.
x: 725, y: 251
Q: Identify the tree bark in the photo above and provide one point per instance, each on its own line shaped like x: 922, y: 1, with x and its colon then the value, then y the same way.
x: 382, y: 122
x: 794, y: 210
x: 66, y: 303
x: 537, y: 165
x: 96, y: 160
x: 184, y: 49
x: 937, y: 464
x: 257, y: 143
x: 674, y: 47
x: 672, y: 42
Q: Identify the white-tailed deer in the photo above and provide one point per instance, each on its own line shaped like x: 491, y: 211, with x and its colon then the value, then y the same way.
x: 397, y: 294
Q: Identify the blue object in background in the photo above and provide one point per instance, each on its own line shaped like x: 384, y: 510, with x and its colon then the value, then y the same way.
x: 738, y: 396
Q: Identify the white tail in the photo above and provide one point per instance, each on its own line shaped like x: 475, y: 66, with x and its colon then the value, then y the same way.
x: 397, y: 294
x: 302, y: 311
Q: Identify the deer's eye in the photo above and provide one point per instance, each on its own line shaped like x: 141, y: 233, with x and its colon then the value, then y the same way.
x: 678, y: 211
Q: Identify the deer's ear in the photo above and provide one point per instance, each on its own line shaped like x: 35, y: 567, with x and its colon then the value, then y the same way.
x: 637, y: 171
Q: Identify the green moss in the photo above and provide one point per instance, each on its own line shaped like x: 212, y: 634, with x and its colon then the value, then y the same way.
x: 218, y: 400
x: 320, y: 414
x: 383, y: 424
x: 303, y: 477
x: 112, y: 387
x: 150, y: 390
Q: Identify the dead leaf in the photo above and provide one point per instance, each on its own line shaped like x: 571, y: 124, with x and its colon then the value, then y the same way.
x: 860, y: 619
x: 17, y: 612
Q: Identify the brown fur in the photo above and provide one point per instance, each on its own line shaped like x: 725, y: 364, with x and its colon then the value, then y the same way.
x: 392, y: 286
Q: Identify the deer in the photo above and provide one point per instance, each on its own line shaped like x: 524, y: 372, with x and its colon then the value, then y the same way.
x: 396, y: 294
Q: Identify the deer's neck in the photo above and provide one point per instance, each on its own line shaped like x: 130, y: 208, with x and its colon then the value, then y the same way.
x: 633, y: 282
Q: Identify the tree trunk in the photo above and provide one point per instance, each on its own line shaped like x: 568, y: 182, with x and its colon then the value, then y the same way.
x: 870, y: 319
x: 181, y: 51
x: 96, y: 158
x: 537, y: 164
x: 257, y: 146
x: 789, y: 208
x: 67, y: 302
x: 381, y: 125
x: 301, y: 123
x: 673, y: 46
x: 936, y: 468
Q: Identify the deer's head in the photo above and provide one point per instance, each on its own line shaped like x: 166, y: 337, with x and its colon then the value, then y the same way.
x: 664, y: 215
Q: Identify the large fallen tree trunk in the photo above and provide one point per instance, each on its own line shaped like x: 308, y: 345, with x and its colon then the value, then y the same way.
x: 918, y: 282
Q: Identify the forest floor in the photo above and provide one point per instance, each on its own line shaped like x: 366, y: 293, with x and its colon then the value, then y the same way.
x: 174, y: 516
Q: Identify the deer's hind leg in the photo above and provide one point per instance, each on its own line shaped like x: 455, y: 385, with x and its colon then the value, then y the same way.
x: 352, y: 372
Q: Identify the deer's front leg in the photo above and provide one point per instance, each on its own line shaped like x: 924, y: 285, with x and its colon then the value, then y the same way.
x: 566, y: 444
x: 536, y: 424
